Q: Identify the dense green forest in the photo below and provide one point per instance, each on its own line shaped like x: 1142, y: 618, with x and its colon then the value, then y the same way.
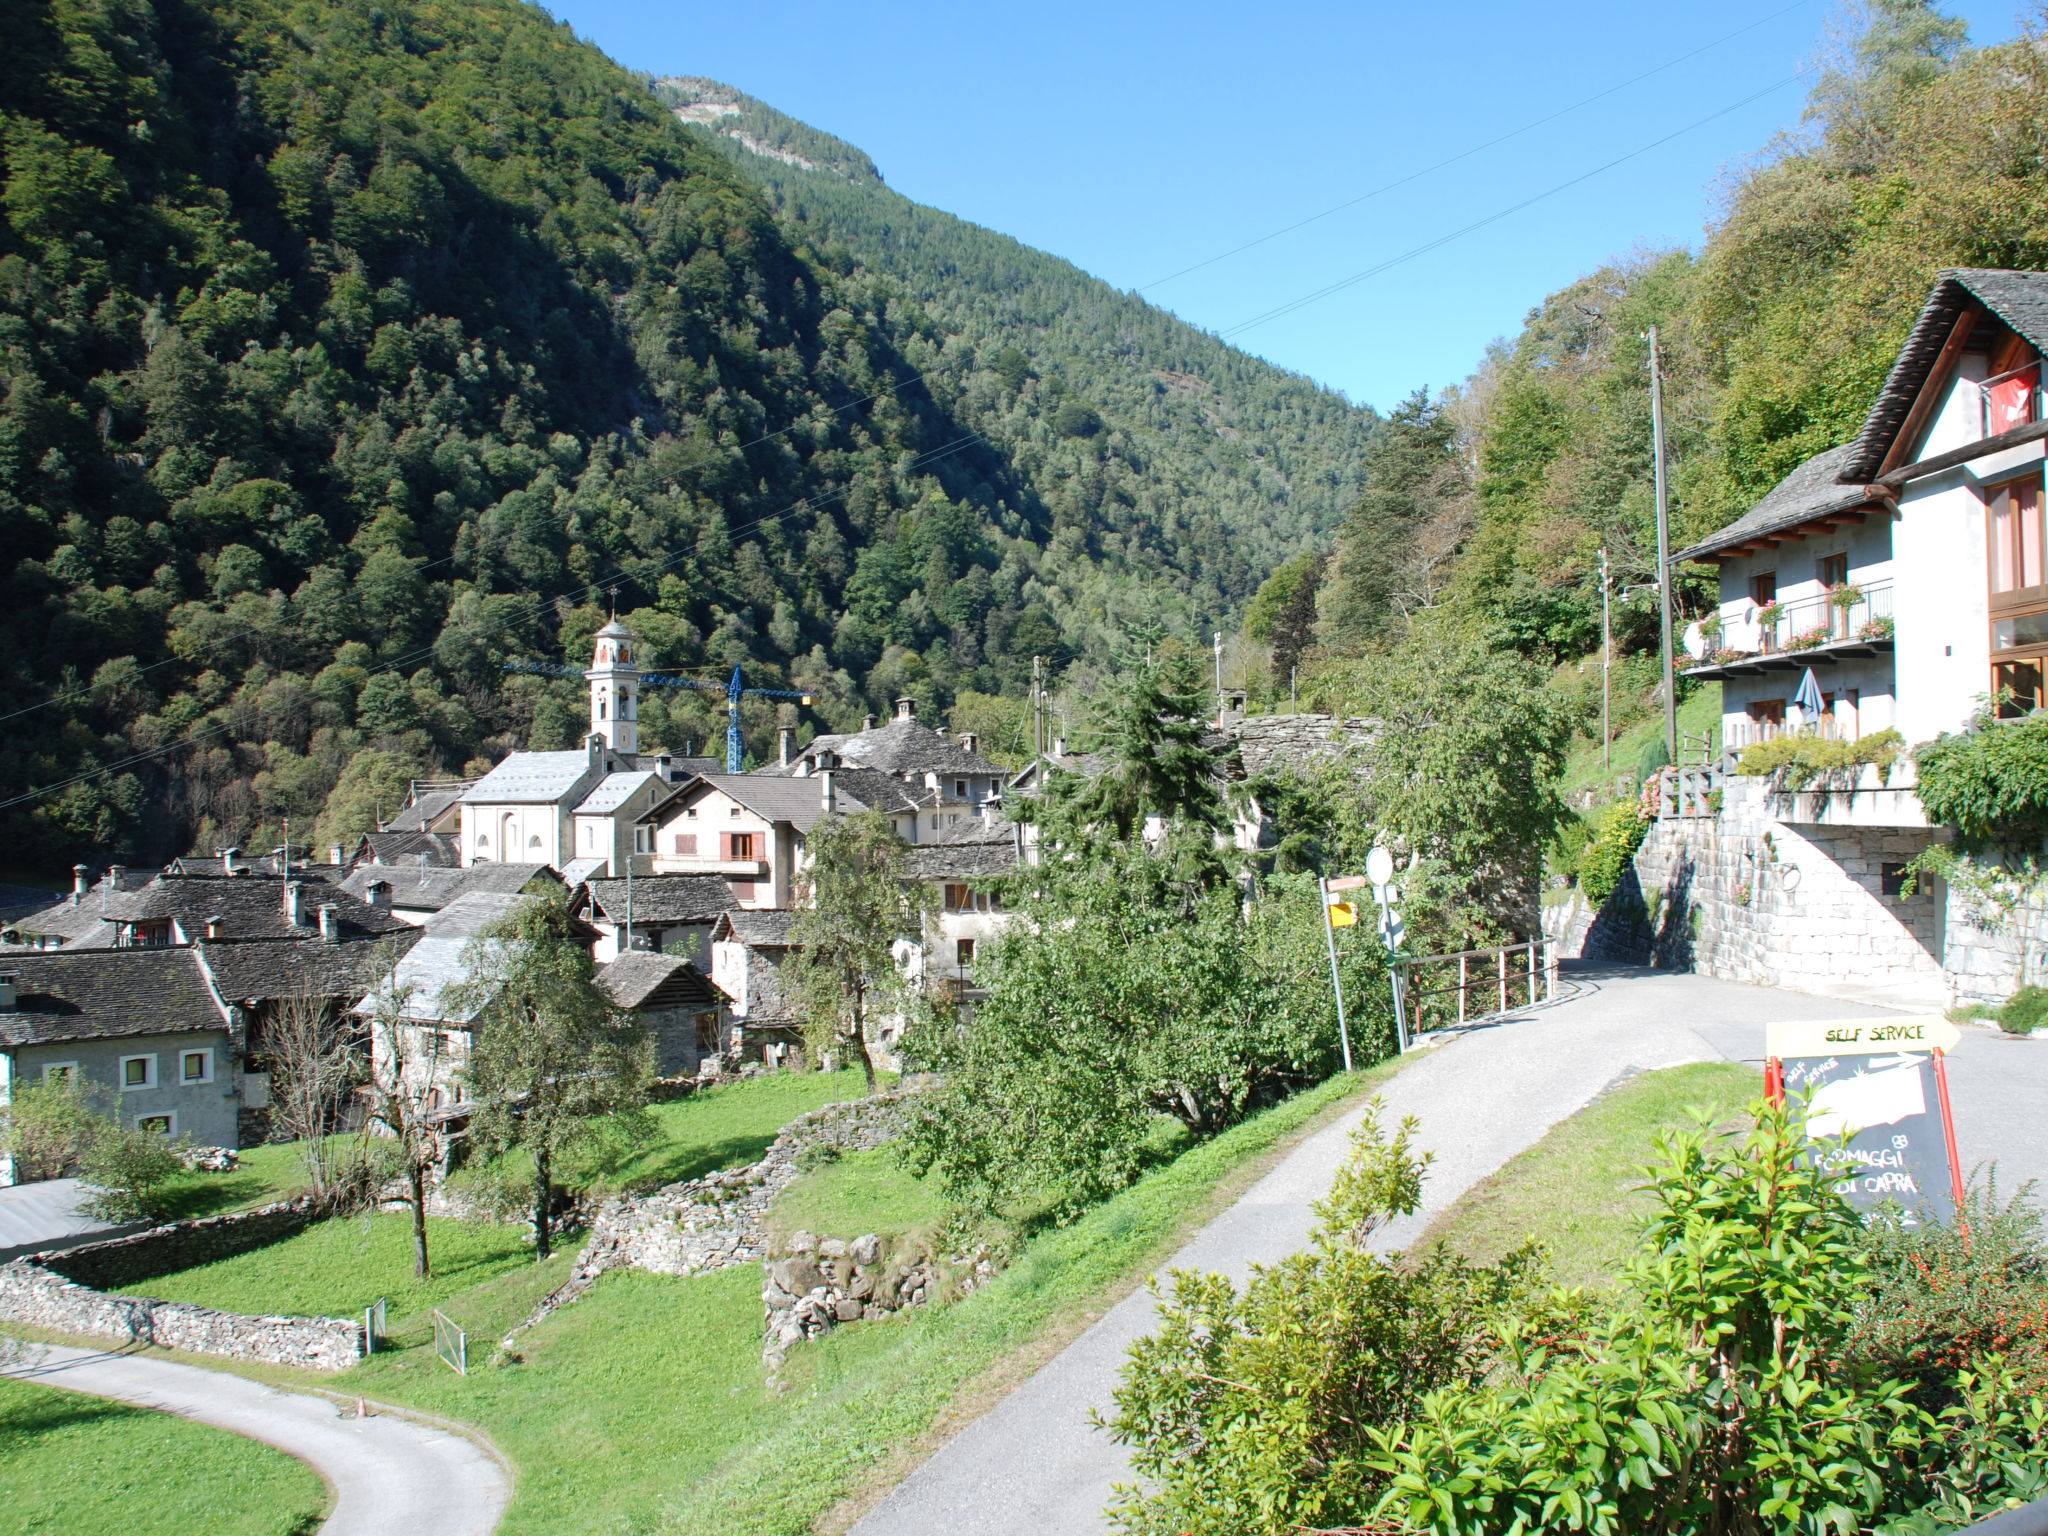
x: 1917, y: 152
x: 1159, y: 446
x: 353, y: 348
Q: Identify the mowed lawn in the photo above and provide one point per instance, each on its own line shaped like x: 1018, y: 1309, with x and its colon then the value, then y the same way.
x: 73, y: 1465
x: 1578, y: 1190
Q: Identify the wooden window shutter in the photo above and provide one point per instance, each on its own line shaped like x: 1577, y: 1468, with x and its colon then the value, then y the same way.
x: 686, y: 844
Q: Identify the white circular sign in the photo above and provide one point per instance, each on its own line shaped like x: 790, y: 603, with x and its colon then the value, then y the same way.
x: 1379, y: 866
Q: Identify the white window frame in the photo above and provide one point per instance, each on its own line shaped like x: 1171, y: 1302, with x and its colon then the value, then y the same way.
x: 170, y: 1115
x: 150, y: 1079
x: 191, y: 1082
x: 52, y: 1068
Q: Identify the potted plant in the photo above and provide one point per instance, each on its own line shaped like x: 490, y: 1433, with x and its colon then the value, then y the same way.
x: 1876, y: 627
x: 1846, y: 597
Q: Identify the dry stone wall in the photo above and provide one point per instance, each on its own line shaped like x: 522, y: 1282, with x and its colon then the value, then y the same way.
x: 56, y: 1291
x: 814, y: 1284
x: 705, y: 1224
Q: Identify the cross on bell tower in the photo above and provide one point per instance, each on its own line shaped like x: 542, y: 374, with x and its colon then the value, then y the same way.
x: 615, y: 689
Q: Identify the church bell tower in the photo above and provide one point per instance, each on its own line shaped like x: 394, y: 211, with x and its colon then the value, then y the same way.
x: 615, y: 689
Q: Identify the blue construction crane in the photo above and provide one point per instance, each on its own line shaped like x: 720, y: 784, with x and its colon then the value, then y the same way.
x: 734, y: 691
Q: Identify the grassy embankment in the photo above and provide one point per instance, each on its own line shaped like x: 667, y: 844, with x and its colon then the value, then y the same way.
x: 644, y: 1405
x: 73, y: 1465
x: 1578, y: 1189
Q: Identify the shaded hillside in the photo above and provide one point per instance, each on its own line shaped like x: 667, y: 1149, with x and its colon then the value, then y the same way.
x: 353, y: 348
x: 1154, y: 447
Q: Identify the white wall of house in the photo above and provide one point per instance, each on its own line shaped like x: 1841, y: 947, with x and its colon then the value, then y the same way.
x: 517, y: 834
x: 693, y: 838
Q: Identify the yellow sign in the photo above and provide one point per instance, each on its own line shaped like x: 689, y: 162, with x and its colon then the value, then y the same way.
x: 1860, y: 1037
x: 1343, y: 914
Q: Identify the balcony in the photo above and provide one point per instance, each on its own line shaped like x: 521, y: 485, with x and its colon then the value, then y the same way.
x: 693, y: 864
x: 1849, y: 624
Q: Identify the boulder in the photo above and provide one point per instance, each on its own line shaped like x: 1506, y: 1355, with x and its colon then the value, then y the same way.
x: 802, y: 1242
x: 847, y: 1310
x: 866, y: 1249
x: 831, y: 1248
x: 799, y: 1276
x: 862, y: 1286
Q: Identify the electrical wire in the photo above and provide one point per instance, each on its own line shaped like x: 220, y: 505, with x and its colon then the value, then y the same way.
x: 1494, y: 218
x: 1477, y: 149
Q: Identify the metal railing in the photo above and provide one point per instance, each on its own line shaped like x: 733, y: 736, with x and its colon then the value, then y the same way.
x: 451, y: 1343
x: 1808, y: 623
x: 1747, y: 733
x: 1489, y: 982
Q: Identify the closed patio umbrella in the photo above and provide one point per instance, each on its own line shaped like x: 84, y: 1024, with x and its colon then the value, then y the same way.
x: 1808, y: 700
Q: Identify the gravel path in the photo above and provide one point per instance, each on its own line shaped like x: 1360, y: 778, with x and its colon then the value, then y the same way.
x: 1035, y: 1464
x: 388, y: 1476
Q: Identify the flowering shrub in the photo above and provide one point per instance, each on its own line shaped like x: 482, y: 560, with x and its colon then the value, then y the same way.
x: 1616, y: 837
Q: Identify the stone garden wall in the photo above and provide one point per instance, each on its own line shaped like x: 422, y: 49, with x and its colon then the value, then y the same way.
x: 708, y: 1223
x: 56, y: 1291
x: 814, y: 1284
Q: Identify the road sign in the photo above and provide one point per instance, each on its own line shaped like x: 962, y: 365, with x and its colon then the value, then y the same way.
x: 1877, y: 1107
x: 1379, y: 865
x: 1346, y: 883
x: 1343, y: 914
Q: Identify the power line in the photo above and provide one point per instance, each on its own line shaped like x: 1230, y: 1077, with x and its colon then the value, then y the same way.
x: 1467, y: 154
x: 1494, y: 218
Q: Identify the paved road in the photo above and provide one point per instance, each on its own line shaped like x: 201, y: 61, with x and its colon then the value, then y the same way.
x: 388, y: 1476
x: 1034, y: 1463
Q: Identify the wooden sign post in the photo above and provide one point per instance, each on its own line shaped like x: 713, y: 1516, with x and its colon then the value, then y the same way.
x: 1883, y: 1085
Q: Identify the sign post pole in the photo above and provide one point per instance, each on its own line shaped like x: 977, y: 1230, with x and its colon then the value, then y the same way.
x: 1336, y: 979
x: 1948, y: 1126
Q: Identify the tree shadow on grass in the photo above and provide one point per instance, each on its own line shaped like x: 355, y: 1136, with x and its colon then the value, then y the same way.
x: 208, y: 1194
x: 670, y: 1164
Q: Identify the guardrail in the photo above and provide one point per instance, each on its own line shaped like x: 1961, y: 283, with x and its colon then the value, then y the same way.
x: 1494, y: 978
x: 1809, y: 622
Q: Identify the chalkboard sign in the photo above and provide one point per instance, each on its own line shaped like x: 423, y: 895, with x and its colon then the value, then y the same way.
x: 1894, y: 1110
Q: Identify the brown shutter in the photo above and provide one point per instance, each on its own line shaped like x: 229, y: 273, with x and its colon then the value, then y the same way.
x: 686, y: 844
x: 725, y: 845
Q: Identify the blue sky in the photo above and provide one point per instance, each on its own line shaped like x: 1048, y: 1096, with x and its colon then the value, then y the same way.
x: 1138, y: 139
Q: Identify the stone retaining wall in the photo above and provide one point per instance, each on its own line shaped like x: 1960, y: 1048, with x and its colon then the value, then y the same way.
x: 182, y: 1245
x: 705, y: 1224
x: 57, y: 1291
x: 817, y: 1283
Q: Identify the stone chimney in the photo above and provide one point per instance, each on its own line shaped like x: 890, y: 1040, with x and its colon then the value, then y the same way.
x: 1059, y: 746
x: 227, y: 861
x: 827, y: 800
x: 216, y: 927
x: 379, y: 892
x: 330, y: 923
x: 971, y: 741
x: 295, y: 904
x: 664, y: 768
x: 785, y: 743
x: 334, y: 854
x: 906, y: 708
x: 867, y: 722
x: 80, y: 883
x: 116, y: 873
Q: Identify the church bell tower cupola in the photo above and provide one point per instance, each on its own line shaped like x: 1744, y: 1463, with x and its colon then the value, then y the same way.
x: 615, y: 689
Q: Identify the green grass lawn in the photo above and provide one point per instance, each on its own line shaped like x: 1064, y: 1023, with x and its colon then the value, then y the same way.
x: 1582, y: 770
x: 73, y: 1465
x: 1578, y: 1188
x: 262, y: 1175
x: 336, y: 1268
x: 643, y: 1406
x: 866, y: 1192
x: 728, y: 1127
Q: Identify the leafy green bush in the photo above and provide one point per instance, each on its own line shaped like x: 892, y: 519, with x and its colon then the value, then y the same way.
x: 129, y: 1172
x: 1653, y: 759
x: 1990, y: 782
x: 1742, y: 1378
x: 1798, y: 760
x: 1573, y: 834
x: 1618, y: 833
x: 49, y: 1127
x: 2025, y: 1011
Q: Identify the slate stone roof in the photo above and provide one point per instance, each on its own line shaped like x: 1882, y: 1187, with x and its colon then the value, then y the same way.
x: 429, y: 803
x: 640, y: 980
x: 969, y: 861
x: 250, y: 906
x: 663, y: 898
x: 796, y: 801
x: 2020, y: 299
x: 875, y: 790
x: 1812, y: 490
x: 430, y: 889
x: 65, y: 923
x: 1263, y: 744
x: 258, y: 970
x: 613, y: 791
x: 900, y: 747
x: 530, y: 778
x: 433, y: 848
x: 435, y: 963
x: 104, y: 994
x: 765, y: 927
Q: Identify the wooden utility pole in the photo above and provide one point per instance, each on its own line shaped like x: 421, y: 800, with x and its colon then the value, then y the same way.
x: 1663, y: 546
x: 1037, y: 707
x: 1606, y: 664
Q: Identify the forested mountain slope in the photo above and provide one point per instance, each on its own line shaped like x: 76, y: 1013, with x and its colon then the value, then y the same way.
x: 1176, y: 455
x: 354, y: 347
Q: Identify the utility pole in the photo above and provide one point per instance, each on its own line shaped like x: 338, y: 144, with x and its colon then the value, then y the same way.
x: 1663, y: 545
x: 1219, y: 673
x: 1037, y: 707
x: 1606, y: 664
